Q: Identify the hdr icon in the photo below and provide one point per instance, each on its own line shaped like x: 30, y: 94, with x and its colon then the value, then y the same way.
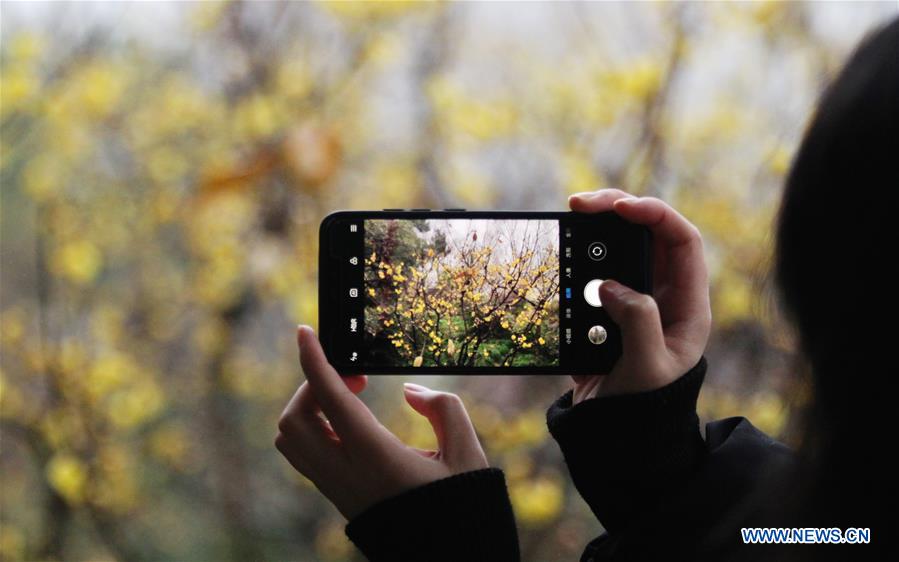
x: 353, y: 325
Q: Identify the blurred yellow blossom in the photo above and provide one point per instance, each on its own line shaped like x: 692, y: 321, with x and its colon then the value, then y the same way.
x: 641, y: 78
x: 114, y: 486
x: 20, y: 84
x: 12, y: 325
x: 257, y: 117
x: 68, y: 476
x: 733, y: 300
x: 109, y: 372
x: 537, y: 501
x: 44, y: 176
x: 580, y: 174
x: 79, y: 261
x: 780, y: 158
x: 205, y: 15
x: 25, y: 47
x: 170, y: 444
x: 362, y: 9
x: 294, y: 78
x: 131, y: 406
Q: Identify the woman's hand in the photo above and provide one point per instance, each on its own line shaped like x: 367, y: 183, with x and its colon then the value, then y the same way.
x: 665, y: 336
x: 353, y: 459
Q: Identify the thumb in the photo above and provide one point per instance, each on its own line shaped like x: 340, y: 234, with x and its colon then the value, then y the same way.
x: 637, y: 315
x: 456, y: 437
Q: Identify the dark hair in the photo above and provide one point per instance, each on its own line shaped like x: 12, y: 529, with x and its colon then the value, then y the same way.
x: 836, y: 244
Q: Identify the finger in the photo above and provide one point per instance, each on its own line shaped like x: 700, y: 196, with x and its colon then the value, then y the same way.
x: 588, y: 389
x: 356, y: 383
x: 305, y: 439
x: 306, y: 403
x: 596, y: 201
x: 320, y: 465
x: 304, y: 414
x: 456, y: 437
x: 682, y: 287
x: 349, y: 416
x: 638, y: 317
x: 672, y: 232
x: 297, y: 454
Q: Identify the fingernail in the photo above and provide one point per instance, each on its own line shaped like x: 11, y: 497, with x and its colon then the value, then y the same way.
x: 628, y: 201
x: 584, y: 195
x: 415, y: 387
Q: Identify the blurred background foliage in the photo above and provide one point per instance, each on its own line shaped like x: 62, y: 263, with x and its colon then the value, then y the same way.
x: 164, y: 169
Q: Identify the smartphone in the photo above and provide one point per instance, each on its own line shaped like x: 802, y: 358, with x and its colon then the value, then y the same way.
x: 474, y: 292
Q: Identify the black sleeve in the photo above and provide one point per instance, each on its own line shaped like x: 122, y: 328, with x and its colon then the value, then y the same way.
x: 624, y: 451
x: 466, y: 516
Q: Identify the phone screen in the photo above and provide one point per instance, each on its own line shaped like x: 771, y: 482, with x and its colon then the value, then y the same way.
x: 461, y: 292
x: 474, y: 292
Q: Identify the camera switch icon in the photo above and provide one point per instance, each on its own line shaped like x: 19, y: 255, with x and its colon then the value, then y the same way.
x: 596, y: 251
x: 354, y: 292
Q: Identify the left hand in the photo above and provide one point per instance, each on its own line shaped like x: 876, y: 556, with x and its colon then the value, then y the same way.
x: 353, y: 459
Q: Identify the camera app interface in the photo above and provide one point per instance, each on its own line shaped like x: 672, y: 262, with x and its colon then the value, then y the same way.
x: 461, y: 292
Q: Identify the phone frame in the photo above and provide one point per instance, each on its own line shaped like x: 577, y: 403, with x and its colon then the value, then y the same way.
x: 330, y: 277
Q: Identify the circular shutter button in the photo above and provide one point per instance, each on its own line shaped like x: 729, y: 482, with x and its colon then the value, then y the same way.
x: 597, y: 335
x: 591, y: 293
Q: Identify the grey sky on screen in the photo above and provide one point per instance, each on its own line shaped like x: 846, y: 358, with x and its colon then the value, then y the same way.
x: 506, y: 237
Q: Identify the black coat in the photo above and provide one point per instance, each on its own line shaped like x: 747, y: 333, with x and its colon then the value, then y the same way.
x: 660, y: 490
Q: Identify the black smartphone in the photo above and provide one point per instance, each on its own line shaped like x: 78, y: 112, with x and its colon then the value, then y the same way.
x: 474, y: 292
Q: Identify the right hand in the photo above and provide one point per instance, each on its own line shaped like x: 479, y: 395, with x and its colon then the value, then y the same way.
x: 662, y: 337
